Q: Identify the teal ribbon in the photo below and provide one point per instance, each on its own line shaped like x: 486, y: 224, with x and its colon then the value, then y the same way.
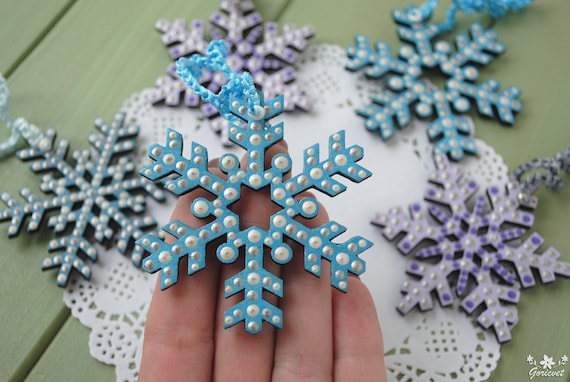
x: 20, y: 128
x: 240, y: 86
x: 495, y: 8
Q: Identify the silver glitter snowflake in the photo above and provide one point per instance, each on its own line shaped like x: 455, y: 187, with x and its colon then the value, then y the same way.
x: 260, y: 50
x: 469, y: 249
x: 91, y: 198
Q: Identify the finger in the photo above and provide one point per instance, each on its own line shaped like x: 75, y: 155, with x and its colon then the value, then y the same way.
x: 235, y: 346
x: 358, y: 347
x: 214, y: 166
x: 303, y: 348
x: 179, y: 330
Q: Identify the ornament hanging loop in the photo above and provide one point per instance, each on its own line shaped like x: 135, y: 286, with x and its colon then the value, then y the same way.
x: 20, y: 128
x: 240, y: 86
x: 543, y: 171
x: 495, y: 8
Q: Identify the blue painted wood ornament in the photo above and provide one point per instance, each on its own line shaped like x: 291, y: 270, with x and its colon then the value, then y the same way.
x: 240, y: 102
x: 407, y: 93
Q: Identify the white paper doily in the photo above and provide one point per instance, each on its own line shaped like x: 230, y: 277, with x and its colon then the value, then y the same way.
x: 441, y: 345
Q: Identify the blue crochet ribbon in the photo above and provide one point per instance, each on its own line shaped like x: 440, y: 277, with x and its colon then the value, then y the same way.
x: 240, y: 86
x: 20, y: 128
x: 495, y: 8
x: 543, y: 171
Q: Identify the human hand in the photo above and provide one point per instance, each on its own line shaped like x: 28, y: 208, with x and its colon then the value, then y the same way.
x: 327, y: 334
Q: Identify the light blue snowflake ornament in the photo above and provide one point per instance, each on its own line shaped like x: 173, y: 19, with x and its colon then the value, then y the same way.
x: 407, y: 92
x: 97, y: 196
x: 252, y: 130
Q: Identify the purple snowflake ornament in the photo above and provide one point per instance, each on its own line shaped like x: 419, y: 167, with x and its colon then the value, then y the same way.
x: 468, y: 251
x: 258, y: 49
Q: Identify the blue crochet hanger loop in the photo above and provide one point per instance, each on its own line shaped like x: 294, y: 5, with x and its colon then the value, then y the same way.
x: 495, y: 8
x: 20, y: 128
x: 240, y: 86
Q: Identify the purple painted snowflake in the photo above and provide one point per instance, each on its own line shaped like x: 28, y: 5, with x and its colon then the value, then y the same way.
x: 470, y: 249
x: 269, y: 59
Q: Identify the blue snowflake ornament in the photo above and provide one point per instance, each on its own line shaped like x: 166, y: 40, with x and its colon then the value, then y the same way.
x: 98, y: 196
x: 408, y: 93
x: 465, y: 251
x: 182, y: 175
x: 254, y: 47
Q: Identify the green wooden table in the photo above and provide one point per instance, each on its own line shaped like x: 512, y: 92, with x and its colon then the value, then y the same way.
x: 68, y: 61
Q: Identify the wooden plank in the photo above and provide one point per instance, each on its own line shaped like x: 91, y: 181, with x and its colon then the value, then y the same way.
x: 30, y: 312
x: 68, y: 359
x: 23, y: 24
x: 536, y: 62
x: 337, y: 24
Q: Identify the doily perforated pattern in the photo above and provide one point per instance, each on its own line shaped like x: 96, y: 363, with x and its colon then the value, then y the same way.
x: 114, y: 306
x: 441, y: 345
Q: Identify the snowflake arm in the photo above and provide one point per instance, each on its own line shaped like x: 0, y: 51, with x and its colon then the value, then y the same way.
x: 416, y: 230
x: 240, y: 25
x: 384, y: 118
x: 434, y: 278
x: 379, y: 61
x: 17, y: 212
x: 452, y: 134
x: 495, y: 313
x: 253, y: 280
x: 487, y: 99
x: 525, y: 259
x: 72, y: 246
x: 182, y: 40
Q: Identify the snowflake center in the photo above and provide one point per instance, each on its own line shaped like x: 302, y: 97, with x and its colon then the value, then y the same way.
x: 236, y: 63
x: 470, y: 242
x: 255, y: 208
